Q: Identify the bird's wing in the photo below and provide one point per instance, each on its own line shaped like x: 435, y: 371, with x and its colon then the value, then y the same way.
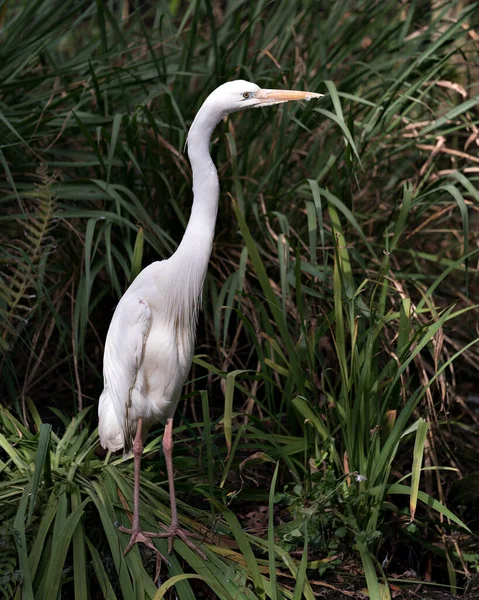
x: 124, y: 351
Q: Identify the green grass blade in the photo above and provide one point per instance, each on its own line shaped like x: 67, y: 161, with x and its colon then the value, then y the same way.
x: 271, y: 535
x: 246, y: 550
x: 115, y: 130
x: 208, y: 439
x: 42, y: 455
x: 39, y: 543
x: 137, y: 258
x: 113, y: 540
x: 301, y: 576
x: 419, y: 444
x: 399, y: 488
x: 372, y: 582
x: 172, y: 581
x: 228, y: 412
x: 80, y: 577
x: 63, y: 531
x: 101, y: 575
x: 21, y: 543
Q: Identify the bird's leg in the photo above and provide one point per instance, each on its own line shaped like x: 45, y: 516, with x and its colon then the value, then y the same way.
x: 174, y: 530
x: 168, y: 452
x: 136, y: 532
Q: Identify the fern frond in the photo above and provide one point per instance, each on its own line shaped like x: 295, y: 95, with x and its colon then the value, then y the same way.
x: 16, y: 286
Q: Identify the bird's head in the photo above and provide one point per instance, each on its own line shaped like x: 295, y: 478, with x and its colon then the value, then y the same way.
x: 240, y: 95
x: 232, y: 97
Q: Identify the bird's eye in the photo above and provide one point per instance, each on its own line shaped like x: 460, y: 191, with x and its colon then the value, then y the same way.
x: 246, y: 95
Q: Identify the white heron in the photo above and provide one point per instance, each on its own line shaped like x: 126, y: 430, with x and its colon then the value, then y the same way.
x: 150, y: 342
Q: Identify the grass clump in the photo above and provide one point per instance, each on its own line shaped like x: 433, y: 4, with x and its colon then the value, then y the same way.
x: 336, y: 351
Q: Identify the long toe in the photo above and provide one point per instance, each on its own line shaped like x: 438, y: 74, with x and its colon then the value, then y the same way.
x: 171, y: 531
x: 175, y: 531
x: 139, y: 536
x: 185, y: 536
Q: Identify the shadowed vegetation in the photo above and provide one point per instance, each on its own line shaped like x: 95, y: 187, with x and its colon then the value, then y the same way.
x: 327, y: 436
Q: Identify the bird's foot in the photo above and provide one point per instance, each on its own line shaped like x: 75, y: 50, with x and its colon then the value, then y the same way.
x: 176, y: 531
x: 138, y: 536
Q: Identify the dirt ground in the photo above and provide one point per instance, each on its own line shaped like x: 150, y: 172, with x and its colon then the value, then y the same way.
x: 414, y: 592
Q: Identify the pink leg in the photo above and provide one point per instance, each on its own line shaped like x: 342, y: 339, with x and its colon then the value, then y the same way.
x: 137, y: 453
x: 136, y: 532
x: 174, y: 530
x: 168, y: 452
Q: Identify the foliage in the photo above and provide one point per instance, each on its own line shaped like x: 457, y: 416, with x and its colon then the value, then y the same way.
x: 338, y: 308
x: 66, y: 496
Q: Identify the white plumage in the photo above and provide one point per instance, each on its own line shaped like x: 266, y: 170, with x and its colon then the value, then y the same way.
x: 148, y: 351
x: 150, y: 342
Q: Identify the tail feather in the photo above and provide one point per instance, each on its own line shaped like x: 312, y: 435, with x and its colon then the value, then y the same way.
x: 109, y: 428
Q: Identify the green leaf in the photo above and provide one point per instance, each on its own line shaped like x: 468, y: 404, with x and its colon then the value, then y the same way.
x: 246, y: 550
x: 21, y: 543
x: 115, y: 130
x: 374, y: 590
x: 137, y: 258
x: 172, y: 581
x: 398, y: 488
x: 42, y: 455
x: 228, y: 412
x: 80, y: 577
x: 301, y: 576
x: 419, y: 444
x: 101, y: 574
x: 271, y: 535
x: 63, y: 531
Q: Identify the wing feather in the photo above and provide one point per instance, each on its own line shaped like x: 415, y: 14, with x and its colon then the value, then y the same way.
x: 124, y: 353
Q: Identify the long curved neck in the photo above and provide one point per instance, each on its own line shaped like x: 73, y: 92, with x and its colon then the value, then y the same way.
x: 194, y: 251
x: 206, y: 187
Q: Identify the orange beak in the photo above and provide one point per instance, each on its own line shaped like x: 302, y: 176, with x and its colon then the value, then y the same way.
x: 277, y: 96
